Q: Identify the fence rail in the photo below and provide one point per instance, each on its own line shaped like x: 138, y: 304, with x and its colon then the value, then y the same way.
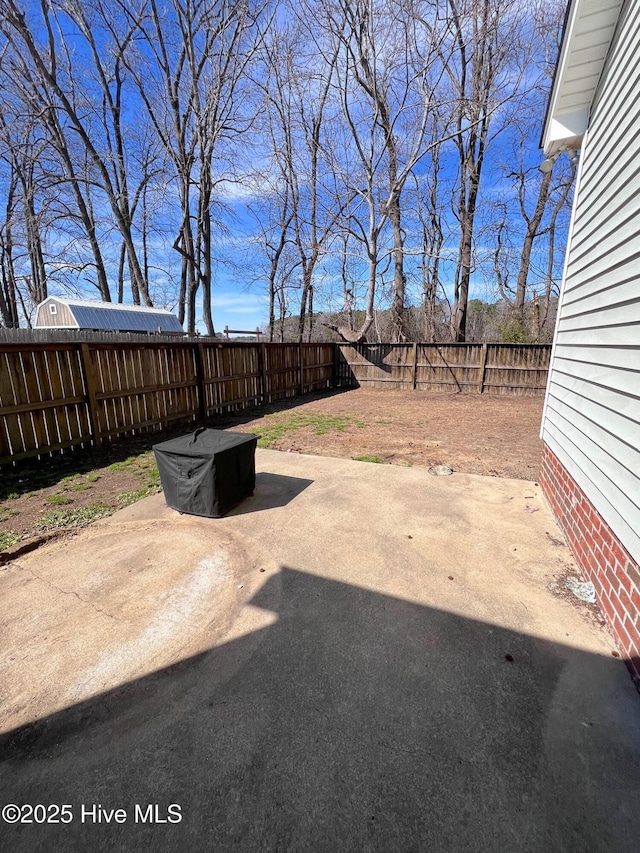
x: 73, y: 391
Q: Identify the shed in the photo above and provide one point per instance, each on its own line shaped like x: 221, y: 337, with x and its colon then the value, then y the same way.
x: 57, y: 312
x: 591, y: 419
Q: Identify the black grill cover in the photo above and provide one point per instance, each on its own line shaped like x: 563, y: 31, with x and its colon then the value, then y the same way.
x: 208, y: 471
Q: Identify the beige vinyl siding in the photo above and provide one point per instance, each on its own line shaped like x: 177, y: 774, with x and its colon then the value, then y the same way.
x: 592, y: 410
x: 62, y: 319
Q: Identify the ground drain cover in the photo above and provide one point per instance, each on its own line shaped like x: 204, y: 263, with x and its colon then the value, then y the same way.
x: 440, y: 470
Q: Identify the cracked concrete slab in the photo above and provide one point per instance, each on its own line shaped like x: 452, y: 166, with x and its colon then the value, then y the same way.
x: 110, y: 604
x: 358, y: 658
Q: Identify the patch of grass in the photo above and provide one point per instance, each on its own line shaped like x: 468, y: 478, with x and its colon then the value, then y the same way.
x: 93, y: 477
x: 127, y: 498
x: 58, y: 500
x: 321, y: 425
x: 366, y: 458
x: 69, y: 479
x: 12, y: 496
x: 5, y: 512
x: 153, y: 478
x: 148, y: 470
x: 146, y: 460
x: 125, y: 465
x: 9, y: 539
x: 81, y: 487
x: 57, y: 519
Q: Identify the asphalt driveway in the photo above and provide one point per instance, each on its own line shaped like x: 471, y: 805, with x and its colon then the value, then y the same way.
x: 359, y: 658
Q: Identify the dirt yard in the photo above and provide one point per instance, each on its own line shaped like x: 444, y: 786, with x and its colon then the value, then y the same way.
x: 495, y: 436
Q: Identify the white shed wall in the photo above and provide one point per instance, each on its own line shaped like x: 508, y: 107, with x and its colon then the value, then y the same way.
x: 592, y: 411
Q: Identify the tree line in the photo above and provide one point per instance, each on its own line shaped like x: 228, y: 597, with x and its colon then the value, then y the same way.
x: 346, y: 155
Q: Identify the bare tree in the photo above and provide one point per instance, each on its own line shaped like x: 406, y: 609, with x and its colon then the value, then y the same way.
x: 110, y: 69
x: 51, y: 69
x: 540, y: 223
x: 297, y: 97
x: 23, y: 144
x: 59, y: 169
x: 551, y: 281
x: 394, y: 56
x: 429, y: 210
x: 190, y: 75
x: 362, y: 137
x: 273, y: 216
x: 486, y: 38
x: 8, y: 285
x: 540, y: 199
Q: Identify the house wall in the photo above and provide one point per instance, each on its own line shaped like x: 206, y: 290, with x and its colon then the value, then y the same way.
x: 601, y: 557
x: 591, y: 421
x: 62, y: 319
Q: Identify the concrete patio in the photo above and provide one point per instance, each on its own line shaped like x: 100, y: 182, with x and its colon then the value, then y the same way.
x: 359, y: 658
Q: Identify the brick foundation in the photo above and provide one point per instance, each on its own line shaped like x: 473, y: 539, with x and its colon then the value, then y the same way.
x: 600, y: 557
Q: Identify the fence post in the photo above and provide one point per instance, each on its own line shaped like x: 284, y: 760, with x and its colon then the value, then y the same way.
x: 90, y: 385
x: 262, y: 367
x: 336, y: 362
x: 300, y: 369
x: 415, y: 365
x: 198, y: 356
x: 483, y: 368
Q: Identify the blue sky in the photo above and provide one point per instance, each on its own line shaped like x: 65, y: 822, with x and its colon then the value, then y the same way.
x: 236, y: 307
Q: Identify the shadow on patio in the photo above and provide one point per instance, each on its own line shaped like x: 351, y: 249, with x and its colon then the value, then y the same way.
x: 355, y: 721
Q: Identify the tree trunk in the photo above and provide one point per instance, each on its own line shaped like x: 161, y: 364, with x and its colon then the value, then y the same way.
x: 533, y: 226
x: 9, y: 289
x: 398, y: 332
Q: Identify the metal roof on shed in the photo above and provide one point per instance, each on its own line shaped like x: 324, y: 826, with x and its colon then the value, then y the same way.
x: 114, y: 316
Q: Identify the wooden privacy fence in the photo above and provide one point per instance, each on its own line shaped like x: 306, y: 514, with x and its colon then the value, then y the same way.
x: 68, y: 393
x: 519, y: 369
x: 78, y: 390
